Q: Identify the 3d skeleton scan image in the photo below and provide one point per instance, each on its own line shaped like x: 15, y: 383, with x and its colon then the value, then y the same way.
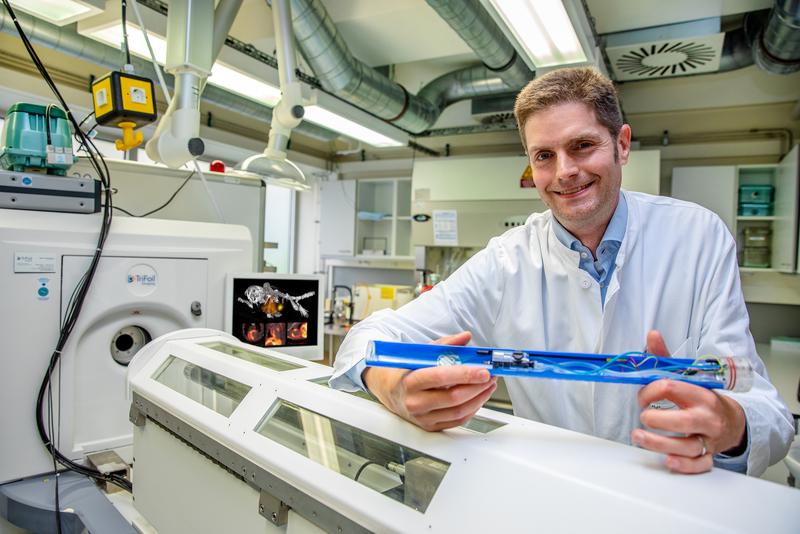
x: 275, y: 313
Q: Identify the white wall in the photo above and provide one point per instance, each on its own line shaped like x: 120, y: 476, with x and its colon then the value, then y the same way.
x: 306, y: 253
x: 279, y: 226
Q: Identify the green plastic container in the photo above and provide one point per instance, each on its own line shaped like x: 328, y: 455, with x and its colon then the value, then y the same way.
x: 756, y: 194
x: 24, y: 141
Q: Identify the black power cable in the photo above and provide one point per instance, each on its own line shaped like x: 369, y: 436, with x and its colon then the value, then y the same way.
x: 125, y: 32
x: 88, y: 133
x: 74, y: 309
x: 162, y: 206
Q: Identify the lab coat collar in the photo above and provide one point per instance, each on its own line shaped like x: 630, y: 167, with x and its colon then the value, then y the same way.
x: 622, y: 228
x: 631, y: 231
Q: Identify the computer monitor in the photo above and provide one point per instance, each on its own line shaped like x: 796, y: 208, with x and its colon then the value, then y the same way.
x: 279, y: 311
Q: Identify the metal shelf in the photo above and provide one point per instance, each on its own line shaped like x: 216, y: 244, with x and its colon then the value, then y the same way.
x: 746, y: 218
x: 757, y: 270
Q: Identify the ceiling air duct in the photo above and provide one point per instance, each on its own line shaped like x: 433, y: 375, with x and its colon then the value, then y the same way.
x: 698, y: 47
x: 350, y: 79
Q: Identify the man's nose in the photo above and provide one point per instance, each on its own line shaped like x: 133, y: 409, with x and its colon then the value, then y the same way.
x: 566, y: 167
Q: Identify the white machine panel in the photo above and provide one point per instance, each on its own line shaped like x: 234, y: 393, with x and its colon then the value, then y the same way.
x: 344, y: 463
x: 154, y: 295
x: 151, y: 273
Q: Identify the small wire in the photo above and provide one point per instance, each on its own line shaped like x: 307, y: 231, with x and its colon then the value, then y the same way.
x: 210, y: 195
x: 156, y: 66
x: 86, y: 118
x: 364, y: 466
x: 57, y: 499
x: 47, y: 112
x: 162, y: 206
x: 125, y: 32
x: 81, y: 144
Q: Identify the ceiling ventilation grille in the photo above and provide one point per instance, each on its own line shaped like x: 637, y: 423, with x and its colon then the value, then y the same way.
x: 663, y: 59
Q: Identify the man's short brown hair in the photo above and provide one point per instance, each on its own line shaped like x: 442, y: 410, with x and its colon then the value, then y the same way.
x: 563, y: 86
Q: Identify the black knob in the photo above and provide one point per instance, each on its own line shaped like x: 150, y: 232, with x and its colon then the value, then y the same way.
x: 196, y: 146
x: 298, y: 112
x: 196, y: 308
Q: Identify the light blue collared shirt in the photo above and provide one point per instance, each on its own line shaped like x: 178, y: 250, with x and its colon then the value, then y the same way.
x: 601, y: 268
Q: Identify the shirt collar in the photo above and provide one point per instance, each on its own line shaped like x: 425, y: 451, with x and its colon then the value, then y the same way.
x: 615, y: 230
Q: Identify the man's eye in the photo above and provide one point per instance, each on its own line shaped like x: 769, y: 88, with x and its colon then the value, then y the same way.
x: 584, y: 144
x: 542, y: 156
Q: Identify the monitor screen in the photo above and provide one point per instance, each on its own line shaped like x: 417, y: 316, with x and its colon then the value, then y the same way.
x: 279, y: 311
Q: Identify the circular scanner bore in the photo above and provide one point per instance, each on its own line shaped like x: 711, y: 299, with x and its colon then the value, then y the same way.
x: 126, y: 342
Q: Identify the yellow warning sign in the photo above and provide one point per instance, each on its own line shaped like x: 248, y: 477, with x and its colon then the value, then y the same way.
x: 526, y: 180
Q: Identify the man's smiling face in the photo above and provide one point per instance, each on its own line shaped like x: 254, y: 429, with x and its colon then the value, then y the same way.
x: 576, y: 164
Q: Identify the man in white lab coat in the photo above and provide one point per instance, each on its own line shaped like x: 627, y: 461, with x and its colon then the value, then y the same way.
x: 605, y: 271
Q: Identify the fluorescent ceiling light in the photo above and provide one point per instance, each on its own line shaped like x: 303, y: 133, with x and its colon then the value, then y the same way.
x: 221, y: 75
x: 60, y: 12
x: 112, y: 35
x: 543, y: 29
x: 243, y: 84
x: 332, y: 121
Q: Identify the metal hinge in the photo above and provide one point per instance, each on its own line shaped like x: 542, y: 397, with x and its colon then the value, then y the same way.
x: 273, y: 509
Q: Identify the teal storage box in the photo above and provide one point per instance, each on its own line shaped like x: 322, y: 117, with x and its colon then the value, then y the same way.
x: 760, y: 194
x: 750, y: 209
x: 25, y: 139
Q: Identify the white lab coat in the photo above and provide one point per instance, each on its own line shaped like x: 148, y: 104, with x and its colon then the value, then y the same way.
x: 676, y: 272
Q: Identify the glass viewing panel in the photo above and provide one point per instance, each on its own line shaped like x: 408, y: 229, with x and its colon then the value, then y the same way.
x: 398, y: 472
x: 476, y: 424
x: 263, y: 360
x: 323, y: 381
x: 482, y: 424
x: 210, y: 389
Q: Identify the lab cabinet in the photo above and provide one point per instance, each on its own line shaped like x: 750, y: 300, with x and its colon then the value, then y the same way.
x: 383, y: 217
x: 366, y: 218
x: 337, y: 218
x: 758, y: 204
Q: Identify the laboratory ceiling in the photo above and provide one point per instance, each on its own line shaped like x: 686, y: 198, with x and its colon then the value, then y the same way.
x: 409, y: 42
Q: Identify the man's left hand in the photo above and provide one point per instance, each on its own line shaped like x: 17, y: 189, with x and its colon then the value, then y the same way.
x: 712, y: 423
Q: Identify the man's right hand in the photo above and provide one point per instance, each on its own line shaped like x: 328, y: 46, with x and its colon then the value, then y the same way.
x: 434, y: 398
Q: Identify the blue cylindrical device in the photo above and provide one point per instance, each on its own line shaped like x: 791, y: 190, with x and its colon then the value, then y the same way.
x: 712, y: 372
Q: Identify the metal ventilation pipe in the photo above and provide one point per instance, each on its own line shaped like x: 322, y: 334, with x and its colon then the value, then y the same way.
x: 68, y: 41
x: 737, y: 47
x: 474, y: 25
x: 224, y: 15
x: 463, y: 84
x: 341, y: 73
x: 777, y: 46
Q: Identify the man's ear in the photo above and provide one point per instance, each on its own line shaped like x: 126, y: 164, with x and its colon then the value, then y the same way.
x: 624, y: 143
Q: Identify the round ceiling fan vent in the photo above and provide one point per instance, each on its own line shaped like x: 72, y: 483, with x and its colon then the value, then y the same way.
x: 666, y: 59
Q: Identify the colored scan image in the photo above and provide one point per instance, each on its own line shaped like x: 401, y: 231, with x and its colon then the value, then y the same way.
x: 273, y: 312
x: 297, y: 333
x: 276, y: 335
x: 253, y: 332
